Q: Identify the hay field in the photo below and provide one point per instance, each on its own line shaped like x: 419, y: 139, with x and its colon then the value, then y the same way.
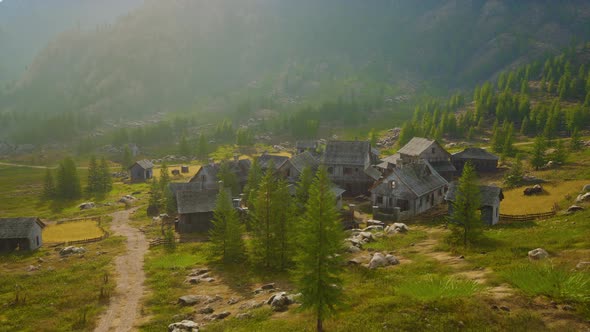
x: 71, y: 231
x: 515, y: 202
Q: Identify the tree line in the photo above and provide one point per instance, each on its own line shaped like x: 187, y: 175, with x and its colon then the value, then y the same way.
x: 64, y: 183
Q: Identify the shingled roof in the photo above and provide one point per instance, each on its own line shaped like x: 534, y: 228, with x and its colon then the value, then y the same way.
x: 240, y: 168
x: 265, y: 159
x: 308, y: 144
x: 18, y: 228
x: 184, y: 186
x: 303, y: 160
x: 489, y: 195
x: 475, y: 153
x: 411, y: 181
x: 145, y: 164
x: 347, y: 153
x: 191, y: 201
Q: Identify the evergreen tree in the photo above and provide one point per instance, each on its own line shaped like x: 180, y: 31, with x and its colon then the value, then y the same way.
x: 155, y: 194
x: 538, y: 159
x: 68, y: 182
x: 164, y: 178
x: 264, y: 214
x: 575, y: 143
x: 497, y: 138
x: 560, y: 155
x: 508, y: 148
x: 524, y: 127
x: 93, y: 185
x: 318, y: 260
x: 465, y: 217
x: 283, y: 225
x: 226, y: 235
x: 254, y: 178
x: 202, y: 148
x: 127, y: 159
x: 49, y: 189
x: 169, y: 202
x: 106, y: 179
x: 515, y: 176
x: 229, y: 178
x: 302, y: 187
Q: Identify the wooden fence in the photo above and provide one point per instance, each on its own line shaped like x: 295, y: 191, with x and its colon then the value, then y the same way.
x: 158, y: 242
x: 527, y: 217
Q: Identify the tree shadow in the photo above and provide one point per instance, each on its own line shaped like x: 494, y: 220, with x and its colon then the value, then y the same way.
x: 514, y: 225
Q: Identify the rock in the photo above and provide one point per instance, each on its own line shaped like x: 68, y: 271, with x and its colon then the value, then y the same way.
x: 396, y: 228
x: 354, y: 261
x: 218, y: 316
x: 87, y: 206
x: 586, y: 188
x: 538, y: 254
x: 279, y: 302
x: 70, y: 250
x: 198, y: 272
x: 214, y: 299
x: 574, y: 208
x: 208, y: 279
x: 583, y: 265
x: 568, y: 307
x: 505, y: 308
x: 233, y: 301
x: 252, y: 305
x: 375, y: 222
x: 378, y: 235
x: 191, y: 299
x: 207, y: 310
x: 353, y: 249
x: 268, y: 286
x: 245, y: 315
x: 378, y: 260
x: 583, y: 198
x: 373, y: 228
x: 366, y: 236
x: 392, y: 260
x: 184, y: 326
x: 354, y: 241
x: 32, y: 268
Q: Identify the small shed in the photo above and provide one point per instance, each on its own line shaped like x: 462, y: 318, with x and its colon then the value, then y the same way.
x: 141, y: 170
x: 23, y: 233
x: 482, y: 160
x: 490, y: 197
x: 195, y: 210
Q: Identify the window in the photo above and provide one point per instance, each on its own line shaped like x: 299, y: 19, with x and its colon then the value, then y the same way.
x: 347, y: 171
x: 379, y: 200
x: 37, y: 240
x: 433, y: 150
x: 403, y: 205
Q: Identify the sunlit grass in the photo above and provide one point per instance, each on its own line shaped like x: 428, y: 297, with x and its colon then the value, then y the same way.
x: 71, y: 231
x: 515, y: 202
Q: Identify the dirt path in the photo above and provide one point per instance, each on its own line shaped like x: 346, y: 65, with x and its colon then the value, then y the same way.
x: 123, y: 310
x: 33, y: 166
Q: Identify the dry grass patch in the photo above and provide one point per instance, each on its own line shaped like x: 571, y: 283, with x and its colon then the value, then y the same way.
x: 71, y: 231
x: 515, y: 202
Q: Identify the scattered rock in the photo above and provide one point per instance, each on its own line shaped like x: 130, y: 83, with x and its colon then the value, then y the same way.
x: 392, y: 260
x: 366, y: 236
x: 353, y: 249
x: 245, y: 315
x: 378, y: 260
x: 583, y: 198
x: 252, y: 305
x: 279, y: 302
x: 373, y: 228
x: 214, y: 299
x: 568, y: 307
x: 395, y: 228
x: 70, y: 250
x: 583, y: 265
x: 32, y: 268
x: 268, y: 286
x: 375, y: 222
x: 218, y: 316
x: 87, y: 206
x: 354, y: 261
x: 191, y: 299
x: 193, y: 280
x: 538, y: 254
x: 233, y: 301
x: 586, y: 188
x: 505, y: 308
x: 574, y: 208
x: 206, y: 310
x: 208, y: 279
x: 184, y: 326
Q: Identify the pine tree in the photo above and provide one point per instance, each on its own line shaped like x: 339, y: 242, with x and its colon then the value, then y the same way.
x: 164, y: 178
x: 508, y: 147
x: 155, y: 196
x: 560, y: 155
x: 49, y: 190
x: 497, y: 138
x: 93, y: 185
x: 202, y: 149
x: 465, y: 217
x: 254, y: 178
x: 538, y: 159
x: 106, y: 179
x: 68, y: 182
x: 575, y: 143
x: 318, y: 259
x: 515, y: 176
x: 283, y: 225
x: 169, y: 202
x: 524, y: 127
x: 226, y: 235
x: 264, y: 215
x: 229, y: 178
x: 127, y: 159
x: 302, y: 187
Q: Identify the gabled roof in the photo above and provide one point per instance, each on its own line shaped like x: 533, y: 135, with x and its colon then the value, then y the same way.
x: 265, y: 159
x: 417, y: 145
x: 18, y: 228
x: 303, y: 160
x: 145, y: 164
x: 191, y: 201
x: 391, y: 160
x: 489, y: 195
x: 475, y: 153
x: 410, y: 181
x: 373, y: 173
x: 307, y: 144
x: 347, y: 153
x: 184, y: 186
x: 240, y: 169
x: 443, y: 166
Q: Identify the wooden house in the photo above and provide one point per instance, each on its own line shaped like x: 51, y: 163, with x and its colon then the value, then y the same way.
x: 292, y: 168
x: 490, y: 198
x: 309, y: 145
x: 21, y: 234
x: 482, y: 160
x: 346, y: 162
x: 408, y: 190
x: 141, y: 170
x: 425, y: 149
x: 265, y: 160
x: 195, y: 210
x: 207, y: 178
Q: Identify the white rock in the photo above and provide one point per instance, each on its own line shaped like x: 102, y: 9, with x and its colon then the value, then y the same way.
x: 538, y: 254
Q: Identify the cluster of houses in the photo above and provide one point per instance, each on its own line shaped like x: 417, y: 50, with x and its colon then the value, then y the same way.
x: 416, y: 179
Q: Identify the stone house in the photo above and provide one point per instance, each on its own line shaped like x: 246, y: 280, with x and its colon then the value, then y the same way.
x: 141, y: 170
x: 482, y: 160
x: 309, y: 145
x: 25, y: 233
x: 292, y: 168
x: 346, y: 162
x: 490, y: 197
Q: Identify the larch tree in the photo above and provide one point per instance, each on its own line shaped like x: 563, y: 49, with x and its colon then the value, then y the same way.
x: 465, y: 217
x: 49, y: 190
x: 228, y: 177
x: 302, y: 187
x: 575, y: 143
x: 263, y: 216
x: 164, y: 177
x: 68, y: 182
x: 283, y: 225
x: 226, y: 234
x: 93, y: 185
x: 318, y: 261
x: 106, y: 179
x: 538, y: 158
x: 253, y: 182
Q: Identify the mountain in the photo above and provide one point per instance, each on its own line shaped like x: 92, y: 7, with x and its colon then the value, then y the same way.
x: 26, y: 26
x: 169, y: 55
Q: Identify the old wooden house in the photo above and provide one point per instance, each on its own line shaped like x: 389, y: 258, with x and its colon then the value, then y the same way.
x: 425, y: 149
x: 141, y: 170
x: 195, y: 210
x: 309, y: 145
x: 265, y: 160
x: 490, y: 198
x: 346, y: 162
x: 292, y: 168
x: 482, y: 160
x: 24, y: 233
x: 207, y: 177
x: 408, y: 190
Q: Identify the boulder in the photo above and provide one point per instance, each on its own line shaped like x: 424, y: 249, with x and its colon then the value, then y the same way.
x: 252, y: 305
x: 198, y: 272
x: 583, y: 198
x: 583, y: 265
x: 373, y: 228
x: 70, y: 250
x: 218, y: 316
x: 397, y: 227
x: 366, y: 236
x: 214, y: 299
x: 378, y: 260
x: 392, y: 260
x: 206, y: 310
x: 279, y: 302
x: 354, y: 261
x: 574, y: 208
x: 538, y: 254
x: 353, y: 249
x: 586, y: 188
x: 375, y: 222
x: 184, y: 326
x: 233, y: 301
x: 191, y: 299
x: 87, y: 206
x: 268, y: 286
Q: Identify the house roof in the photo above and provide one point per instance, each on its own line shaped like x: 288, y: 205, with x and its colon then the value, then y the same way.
x: 265, y: 159
x: 373, y: 173
x: 303, y: 160
x: 443, y: 166
x: 145, y: 164
x: 416, y: 146
x: 391, y: 160
x: 411, y: 181
x: 347, y: 153
x: 475, y: 153
x: 191, y: 201
x: 184, y: 186
x: 240, y: 169
x: 307, y: 144
x: 489, y: 195
x: 17, y: 228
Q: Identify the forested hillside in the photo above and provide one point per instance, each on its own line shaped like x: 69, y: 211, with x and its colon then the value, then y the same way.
x: 212, y: 55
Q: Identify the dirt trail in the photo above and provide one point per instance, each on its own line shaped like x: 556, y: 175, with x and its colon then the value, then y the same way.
x: 34, y: 166
x: 123, y: 311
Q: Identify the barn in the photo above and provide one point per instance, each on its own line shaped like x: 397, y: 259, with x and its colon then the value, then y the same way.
x: 23, y: 234
x: 490, y: 198
x: 141, y: 170
x: 482, y: 160
x: 195, y: 210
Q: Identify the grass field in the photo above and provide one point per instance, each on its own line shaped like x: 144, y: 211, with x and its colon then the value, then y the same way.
x: 557, y: 192
x: 71, y: 231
